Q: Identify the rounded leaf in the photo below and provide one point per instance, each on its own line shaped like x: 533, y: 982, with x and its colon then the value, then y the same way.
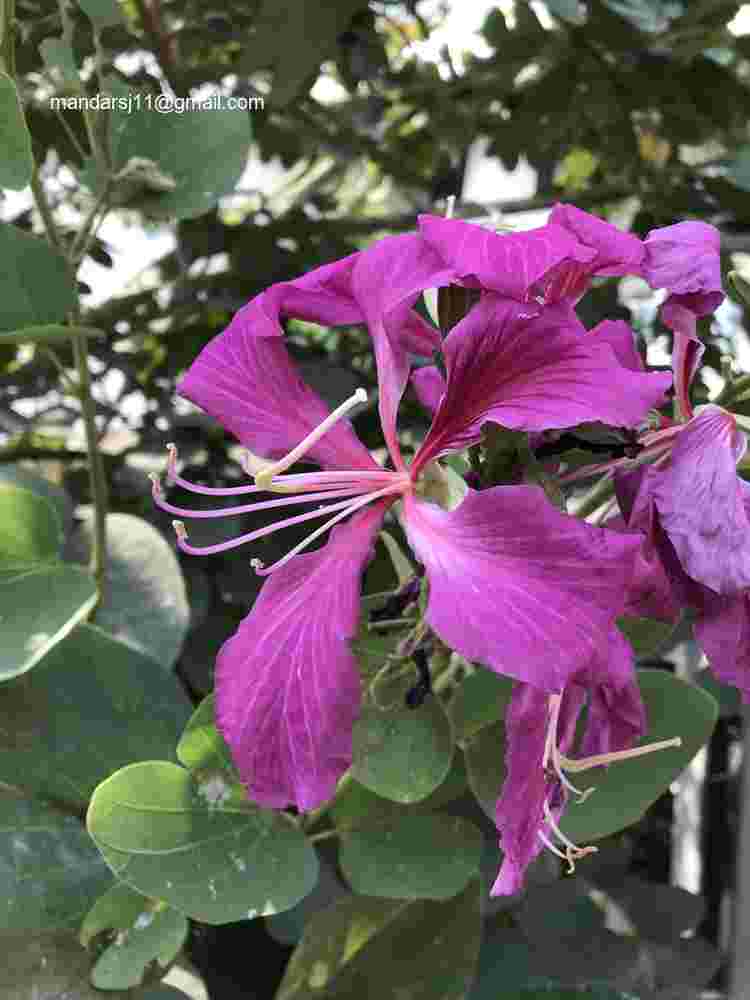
x: 402, y: 754
x: 50, y: 870
x: 375, y: 948
x: 192, y: 845
x: 29, y: 263
x: 412, y: 857
x: 91, y: 705
x: 145, y: 600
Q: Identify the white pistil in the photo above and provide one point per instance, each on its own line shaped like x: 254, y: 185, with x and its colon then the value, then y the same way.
x: 264, y: 472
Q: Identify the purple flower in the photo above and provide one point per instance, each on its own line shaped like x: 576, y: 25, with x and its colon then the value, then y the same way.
x: 510, y: 578
x: 692, y: 507
x: 540, y: 733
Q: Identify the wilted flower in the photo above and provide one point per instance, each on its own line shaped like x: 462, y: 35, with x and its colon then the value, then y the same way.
x: 509, y: 577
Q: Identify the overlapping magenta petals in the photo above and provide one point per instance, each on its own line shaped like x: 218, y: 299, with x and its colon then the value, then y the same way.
x: 386, y: 281
x: 650, y: 592
x: 287, y: 685
x: 252, y: 387
x: 617, y: 252
x: 429, y: 385
x: 687, y: 350
x: 684, y: 259
x: 620, y: 337
x: 518, y: 586
x: 531, y: 369
x: 516, y: 265
x: 700, y: 502
x: 611, y: 252
x: 722, y: 629
x: 616, y: 717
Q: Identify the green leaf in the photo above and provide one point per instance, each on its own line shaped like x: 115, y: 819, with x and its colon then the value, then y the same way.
x: 402, y: 754
x: 57, y: 54
x: 203, y: 152
x: 479, y: 701
x: 29, y: 264
x: 567, y: 10
x: 145, y: 600
x: 102, y: 13
x: 375, y: 948
x: 411, y: 857
x: 16, y: 162
x: 43, y: 603
x: 354, y: 803
x: 210, y: 857
x: 30, y: 530
x: 13, y: 474
x: 147, y: 932
x: 50, y: 332
x: 728, y: 698
x: 202, y: 749
x: 90, y: 706
x: 645, y: 635
x: 485, y: 765
x: 293, y: 39
x: 625, y: 790
x: 50, y: 871
x: 41, y: 599
x: 45, y: 967
x: 650, y: 16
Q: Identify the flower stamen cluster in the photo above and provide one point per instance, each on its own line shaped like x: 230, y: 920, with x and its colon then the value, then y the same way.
x: 358, y: 487
x: 555, y: 763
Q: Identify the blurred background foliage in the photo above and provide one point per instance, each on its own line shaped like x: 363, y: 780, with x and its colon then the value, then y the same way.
x: 634, y: 109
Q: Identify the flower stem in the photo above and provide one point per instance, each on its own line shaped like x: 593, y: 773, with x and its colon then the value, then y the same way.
x: 97, y: 477
x: 599, y: 494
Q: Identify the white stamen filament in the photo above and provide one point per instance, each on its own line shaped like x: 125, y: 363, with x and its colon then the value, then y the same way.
x: 584, y: 763
x: 550, y: 846
x: 265, y: 472
x: 572, y: 851
x: 362, y: 501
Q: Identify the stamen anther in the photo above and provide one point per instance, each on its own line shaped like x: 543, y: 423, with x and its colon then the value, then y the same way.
x: 171, y: 463
x: 155, y: 485
x: 180, y: 530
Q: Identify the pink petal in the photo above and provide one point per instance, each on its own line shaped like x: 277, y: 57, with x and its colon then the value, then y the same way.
x: 687, y: 350
x: 515, y: 265
x: 532, y: 369
x: 699, y: 499
x: 621, y: 339
x: 684, y: 259
x: 517, y: 586
x: 387, y: 279
x: 722, y: 629
x: 287, y: 684
x: 649, y: 594
x: 252, y: 387
x: 519, y: 814
x: 616, y: 252
x: 616, y: 717
x: 429, y: 386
